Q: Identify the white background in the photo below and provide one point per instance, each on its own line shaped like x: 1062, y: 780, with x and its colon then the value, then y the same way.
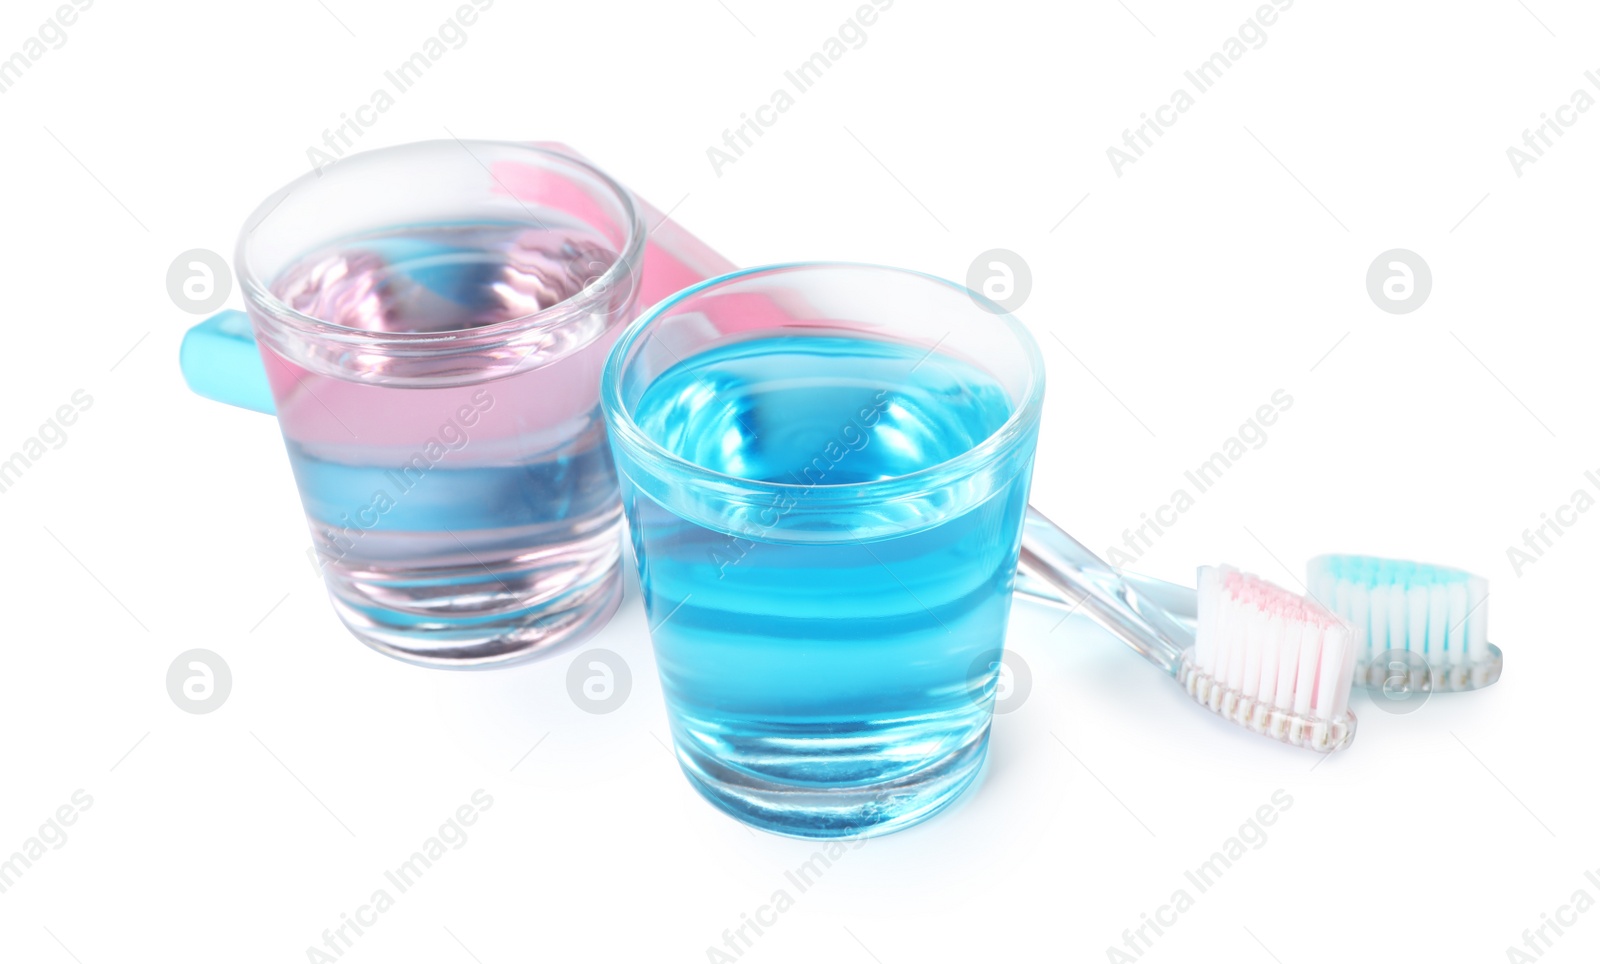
x: 1227, y: 263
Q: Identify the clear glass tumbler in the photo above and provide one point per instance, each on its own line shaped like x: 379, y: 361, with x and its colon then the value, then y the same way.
x: 825, y: 469
x: 433, y: 320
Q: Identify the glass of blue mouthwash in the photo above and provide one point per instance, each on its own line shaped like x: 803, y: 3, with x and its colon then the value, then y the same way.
x: 825, y: 469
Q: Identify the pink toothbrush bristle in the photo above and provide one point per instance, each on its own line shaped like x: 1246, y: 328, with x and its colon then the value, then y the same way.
x: 1271, y: 660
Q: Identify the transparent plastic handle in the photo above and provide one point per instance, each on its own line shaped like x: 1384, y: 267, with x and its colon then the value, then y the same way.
x: 1179, y: 602
x: 1138, y: 612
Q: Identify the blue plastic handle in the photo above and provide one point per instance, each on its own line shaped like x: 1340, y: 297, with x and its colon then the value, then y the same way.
x: 219, y: 360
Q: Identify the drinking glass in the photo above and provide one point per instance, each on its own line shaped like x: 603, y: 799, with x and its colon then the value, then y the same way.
x: 825, y: 470
x: 433, y: 319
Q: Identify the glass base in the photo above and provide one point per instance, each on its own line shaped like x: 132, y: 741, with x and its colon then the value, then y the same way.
x: 489, y: 612
x: 824, y: 812
x: 516, y: 637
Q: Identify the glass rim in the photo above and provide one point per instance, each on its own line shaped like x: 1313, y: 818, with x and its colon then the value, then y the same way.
x: 999, y: 443
x: 629, y: 260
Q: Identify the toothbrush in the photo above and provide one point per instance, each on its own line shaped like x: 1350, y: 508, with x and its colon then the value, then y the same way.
x: 1362, y: 585
x: 1428, y: 622
x: 1279, y: 664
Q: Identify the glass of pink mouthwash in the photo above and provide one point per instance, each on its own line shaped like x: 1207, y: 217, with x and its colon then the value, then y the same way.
x: 433, y: 319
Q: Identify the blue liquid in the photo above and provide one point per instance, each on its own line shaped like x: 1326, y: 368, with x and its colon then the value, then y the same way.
x: 414, y: 495
x: 829, y: 667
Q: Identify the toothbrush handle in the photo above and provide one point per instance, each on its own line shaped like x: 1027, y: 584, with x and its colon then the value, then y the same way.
x: 1178, y: 601
x: 1076, y: 574
x: 220, y: 361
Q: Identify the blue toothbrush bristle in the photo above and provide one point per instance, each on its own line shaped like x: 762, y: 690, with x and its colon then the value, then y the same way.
x: 1437, y: 613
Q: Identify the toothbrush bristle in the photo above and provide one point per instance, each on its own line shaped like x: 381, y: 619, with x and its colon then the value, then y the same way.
x: 1274, y: 661
x: 1435, y: 615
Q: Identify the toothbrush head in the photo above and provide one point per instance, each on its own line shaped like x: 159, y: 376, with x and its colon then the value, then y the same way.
x: 1428, y: 622
x: 1277, y: 663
